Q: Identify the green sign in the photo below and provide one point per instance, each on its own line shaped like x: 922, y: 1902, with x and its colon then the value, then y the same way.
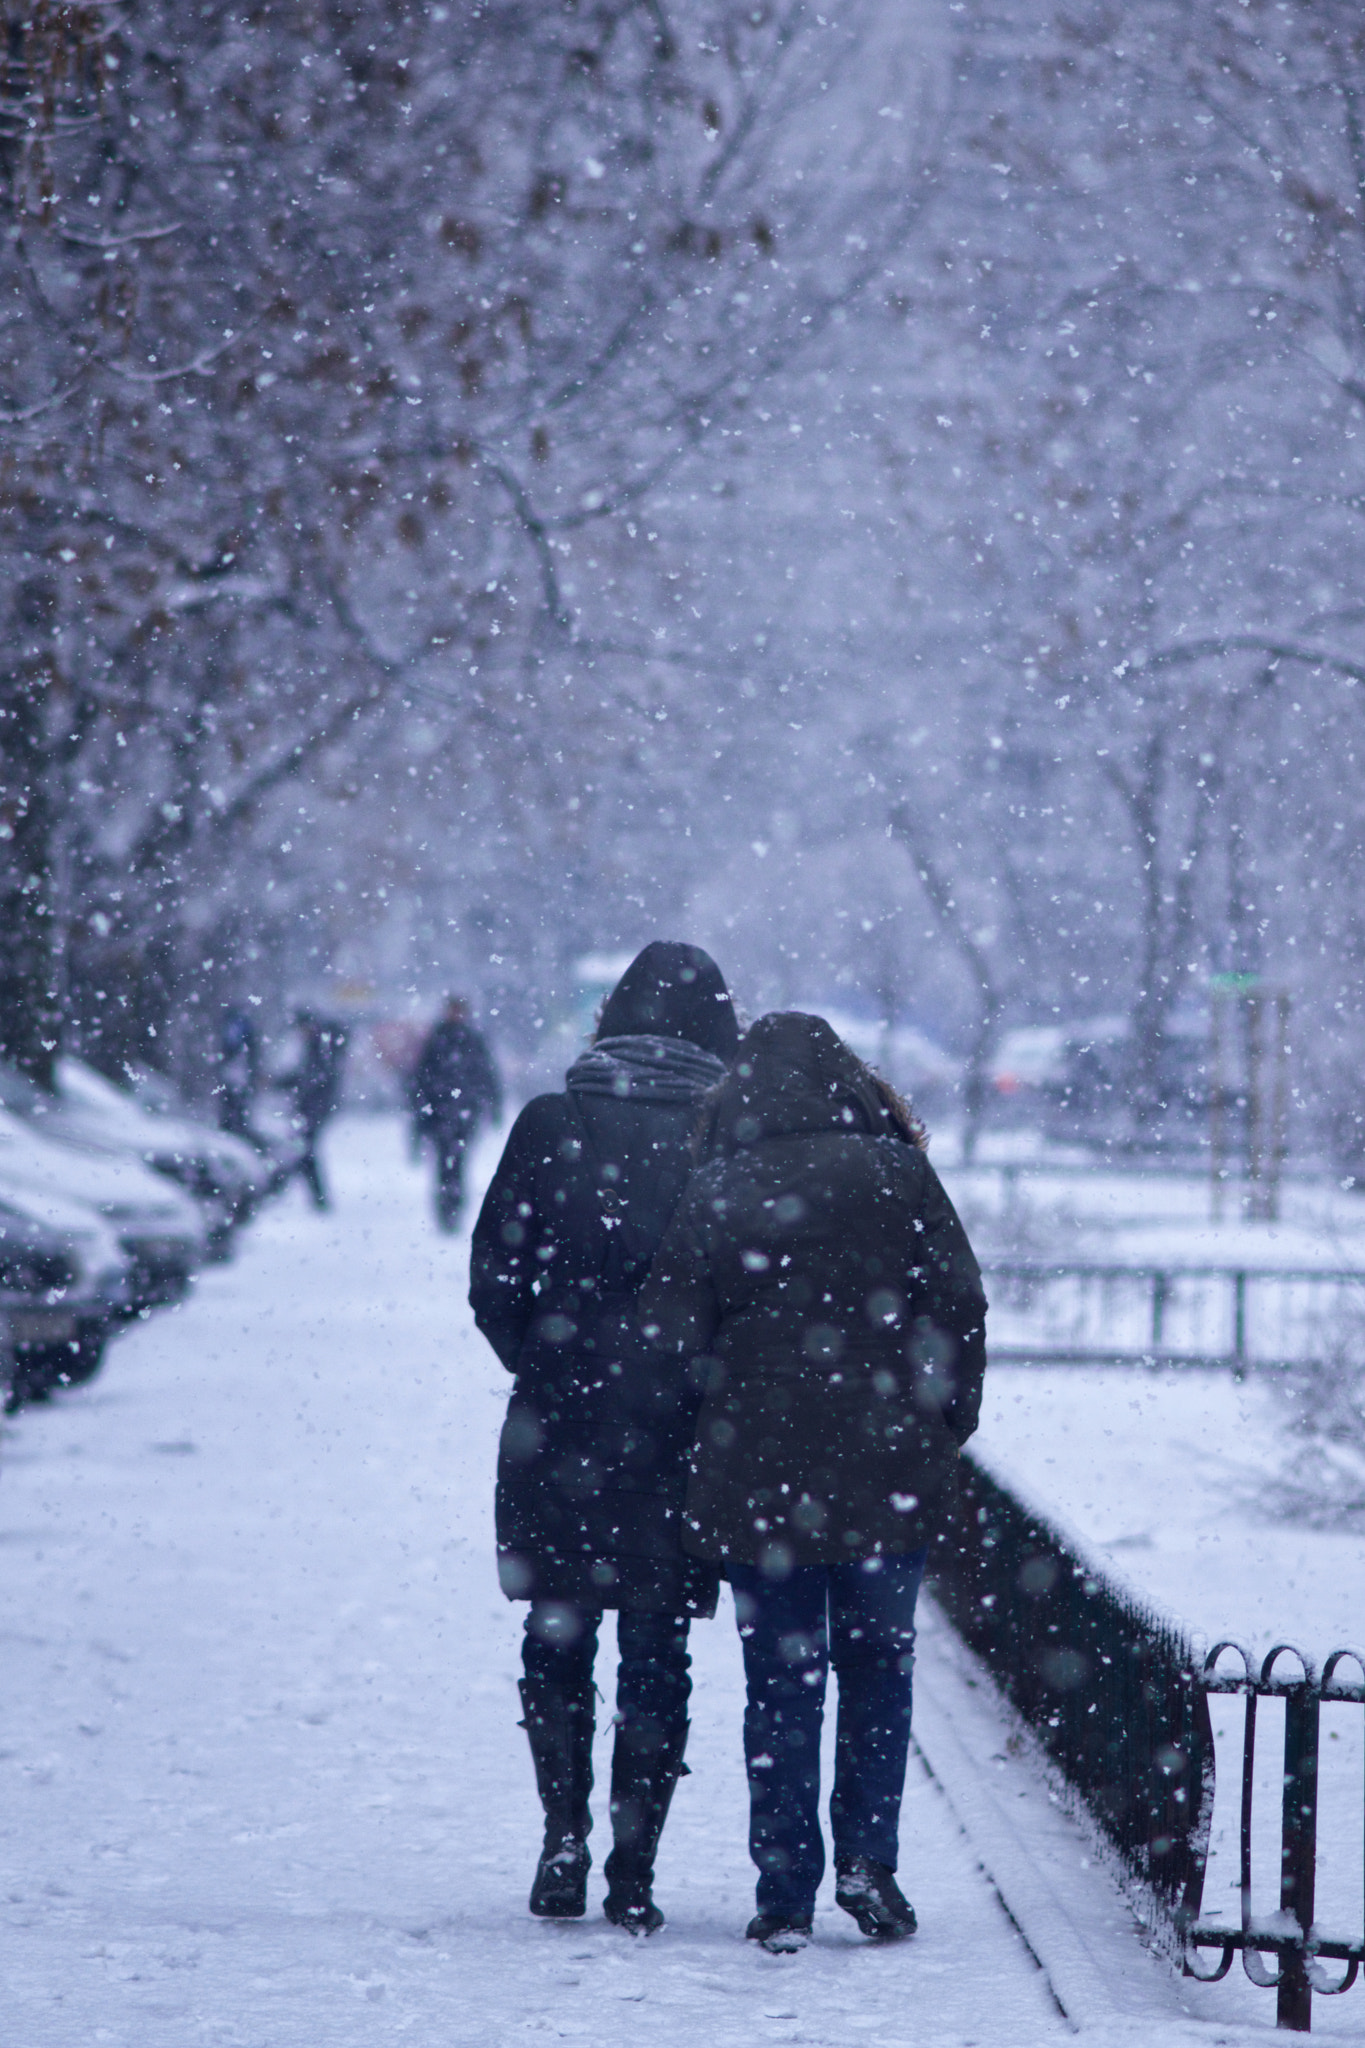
x: 1233, y: 984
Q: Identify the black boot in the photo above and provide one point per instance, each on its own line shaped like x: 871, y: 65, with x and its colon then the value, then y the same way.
x: 870, y: 1893
x: 644, y: 1772
x: 559, y: 1727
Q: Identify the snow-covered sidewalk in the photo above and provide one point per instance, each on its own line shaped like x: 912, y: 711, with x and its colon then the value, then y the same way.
x: 260, y: 1775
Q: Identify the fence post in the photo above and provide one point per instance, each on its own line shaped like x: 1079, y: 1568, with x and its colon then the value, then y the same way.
x: 1298, y: 1850
x: 1279, y: 1116
x: 1160, y: 1283
x: 1217, y: 1106
x: 1239, y: 1322
x: 1253, y: 1204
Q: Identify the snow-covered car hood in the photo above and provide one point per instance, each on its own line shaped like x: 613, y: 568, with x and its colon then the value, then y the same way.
x: 115, y: 1185
x: 91, y: 1106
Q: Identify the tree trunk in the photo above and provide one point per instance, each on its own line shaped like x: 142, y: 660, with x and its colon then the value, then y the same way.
x: 30, y: 949
x: 990, y: 999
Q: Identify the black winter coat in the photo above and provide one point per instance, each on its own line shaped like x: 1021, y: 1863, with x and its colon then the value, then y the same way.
x: 592, y: 1466
x: 817, y: 1266
x: 455, y: 1081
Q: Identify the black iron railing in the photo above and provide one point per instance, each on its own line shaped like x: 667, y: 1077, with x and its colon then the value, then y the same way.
x: 1057, y: 1312
x: 1112, y: 1688
x: 1292, y: 1937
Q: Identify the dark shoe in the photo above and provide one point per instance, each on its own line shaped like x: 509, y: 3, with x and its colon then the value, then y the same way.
x: 782, y: 1934
x: 644, y: 1774
x: 870, y: 1893
x: 560, y: 1891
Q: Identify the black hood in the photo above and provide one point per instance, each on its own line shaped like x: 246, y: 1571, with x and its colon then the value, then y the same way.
x: 791, y: 1076
x: 673, y: 991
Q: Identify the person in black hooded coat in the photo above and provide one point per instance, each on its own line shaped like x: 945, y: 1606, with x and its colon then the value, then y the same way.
x: 454, y: 1085
x: 817, y: 1272
x: 592, y: 1466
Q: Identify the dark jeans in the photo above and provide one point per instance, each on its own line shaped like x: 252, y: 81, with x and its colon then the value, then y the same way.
x: 860, y: 1617
x: 234, y: 1113
x: 305, y: 1162
x: 653, y: 1680
x: 309, y: 1170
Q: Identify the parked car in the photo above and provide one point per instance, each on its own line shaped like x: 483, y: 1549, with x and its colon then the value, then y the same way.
x: 64, y: 1280
x: 1077, y: 1081
x: 908, y: 1057
x: 222, y: 1173
x: 159, y: 1228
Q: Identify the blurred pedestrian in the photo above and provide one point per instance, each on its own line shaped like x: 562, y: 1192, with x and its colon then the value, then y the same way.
x: 239, y: 1074
x: 314, y: 1086
x: 593, y: 1461
x: 452, y: 1087
x: 818, y: 1272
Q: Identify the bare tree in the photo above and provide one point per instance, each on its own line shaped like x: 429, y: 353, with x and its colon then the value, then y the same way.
x: 334, y: 330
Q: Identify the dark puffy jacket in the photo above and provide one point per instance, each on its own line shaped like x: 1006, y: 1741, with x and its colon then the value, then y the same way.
x: 455, y: 1081
x: 592, y: 1466
x: 818, y: 1266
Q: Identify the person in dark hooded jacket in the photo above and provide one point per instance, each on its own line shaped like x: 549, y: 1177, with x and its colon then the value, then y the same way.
x: 453, y: 1086
x: 592, y: 1467
x: 817, y: 1272
x: 314, y: 1087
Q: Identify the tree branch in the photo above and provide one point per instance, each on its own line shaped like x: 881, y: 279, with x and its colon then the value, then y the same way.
x: 1185, y: 653
x: 537, y: 533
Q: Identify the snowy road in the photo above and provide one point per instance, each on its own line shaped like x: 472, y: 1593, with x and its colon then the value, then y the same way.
x: 260, y: 1775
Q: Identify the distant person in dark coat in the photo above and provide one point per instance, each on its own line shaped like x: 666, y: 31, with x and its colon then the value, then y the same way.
x: 315, y: 1089
x: 818, y: 1273
x: 454, y: 1084
x: 592, y: 1467
x: 239, y: 1074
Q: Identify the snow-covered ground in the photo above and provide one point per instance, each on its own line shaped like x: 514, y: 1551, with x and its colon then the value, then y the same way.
x: 1055, y: 1209
x: 261, y: 1782
x: 1124, y: 1227
x: 1165, y: 1474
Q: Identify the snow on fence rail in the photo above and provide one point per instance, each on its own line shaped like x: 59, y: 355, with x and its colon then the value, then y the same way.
x: 1079, y: 1313
x: 1118, y: 1695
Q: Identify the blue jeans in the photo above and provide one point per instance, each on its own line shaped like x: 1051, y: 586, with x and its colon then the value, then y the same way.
x: 862, y: 1618
x: 653, y: 1680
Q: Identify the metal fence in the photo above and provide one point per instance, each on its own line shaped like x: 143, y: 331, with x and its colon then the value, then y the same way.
x: 1111, y: 1687
x: 1119, y: 1698
x: 1047, y: 1312
x: 1292, y: 1936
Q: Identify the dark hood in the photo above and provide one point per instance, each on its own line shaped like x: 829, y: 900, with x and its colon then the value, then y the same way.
x: 672, y: 991
x: 792, y: 1076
